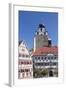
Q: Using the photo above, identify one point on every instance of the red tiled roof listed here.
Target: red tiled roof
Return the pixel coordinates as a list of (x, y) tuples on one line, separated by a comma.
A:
[(46, 50)]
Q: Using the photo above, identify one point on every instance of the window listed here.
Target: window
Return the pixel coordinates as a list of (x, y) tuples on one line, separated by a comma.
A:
[(55, 57), (51, 57), (41, 29), (22, 70), (46, 64), (42, 58), (39, 64), (19, 54), (18, 70), (27, 73), (38, 57), (44, 33), (54, 63), (27, 55), (21, 62), (35, 57), (45, 57), (23, 55), (27, 70)]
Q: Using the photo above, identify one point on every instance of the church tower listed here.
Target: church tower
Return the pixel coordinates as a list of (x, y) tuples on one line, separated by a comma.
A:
[(41, 38)]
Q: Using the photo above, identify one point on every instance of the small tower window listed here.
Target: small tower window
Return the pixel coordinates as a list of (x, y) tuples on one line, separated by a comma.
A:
[(41, 29), (49, 42), (37, 33)]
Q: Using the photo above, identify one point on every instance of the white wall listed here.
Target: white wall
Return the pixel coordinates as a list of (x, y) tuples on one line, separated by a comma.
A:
[(4, 44)]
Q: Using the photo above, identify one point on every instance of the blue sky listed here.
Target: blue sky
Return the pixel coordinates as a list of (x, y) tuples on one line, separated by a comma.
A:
[(28, 25)]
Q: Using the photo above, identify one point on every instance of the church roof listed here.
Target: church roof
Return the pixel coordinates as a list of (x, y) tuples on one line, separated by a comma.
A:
[(46, 50)]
